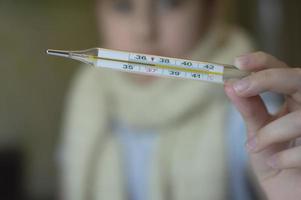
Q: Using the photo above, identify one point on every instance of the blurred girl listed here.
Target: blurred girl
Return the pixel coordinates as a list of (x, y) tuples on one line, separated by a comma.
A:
[(139, 137)]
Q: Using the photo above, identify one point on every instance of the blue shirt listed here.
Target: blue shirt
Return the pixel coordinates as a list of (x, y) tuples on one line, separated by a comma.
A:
[(139, 145), (138, 148)]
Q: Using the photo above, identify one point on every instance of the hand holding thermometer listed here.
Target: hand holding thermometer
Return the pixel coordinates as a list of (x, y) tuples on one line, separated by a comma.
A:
[(153, 65)]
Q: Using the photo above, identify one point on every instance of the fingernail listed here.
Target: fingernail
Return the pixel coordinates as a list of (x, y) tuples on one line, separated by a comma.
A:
[(241, 85), (272, 162), (251, 144), (241, 61)]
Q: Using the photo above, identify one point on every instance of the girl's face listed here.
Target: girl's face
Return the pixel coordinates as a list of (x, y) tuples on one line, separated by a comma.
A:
[(162, 27)]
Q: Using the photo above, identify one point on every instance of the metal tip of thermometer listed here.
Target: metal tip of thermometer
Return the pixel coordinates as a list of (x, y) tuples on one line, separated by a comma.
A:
[(61, 53)]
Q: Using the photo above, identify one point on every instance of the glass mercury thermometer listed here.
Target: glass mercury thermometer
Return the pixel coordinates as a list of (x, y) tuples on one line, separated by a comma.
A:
[(153, 65)]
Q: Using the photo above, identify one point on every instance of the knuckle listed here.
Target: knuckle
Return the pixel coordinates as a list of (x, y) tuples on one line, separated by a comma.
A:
[(289, 158), (262, 57), (249, 113), (263, 76), (264, 138), (282, 159), (268, 76), (282, 64), (261, 54), (297, 72), (298, 118)]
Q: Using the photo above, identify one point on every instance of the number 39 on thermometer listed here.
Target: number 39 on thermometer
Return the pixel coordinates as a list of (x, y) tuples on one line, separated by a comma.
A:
[(153, 64)]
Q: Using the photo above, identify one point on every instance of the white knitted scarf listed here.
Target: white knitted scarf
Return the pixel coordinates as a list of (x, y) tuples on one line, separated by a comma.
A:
[(190, 161)]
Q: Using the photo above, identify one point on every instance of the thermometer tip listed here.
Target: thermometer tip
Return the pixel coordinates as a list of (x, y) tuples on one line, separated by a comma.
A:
[(57, 53)]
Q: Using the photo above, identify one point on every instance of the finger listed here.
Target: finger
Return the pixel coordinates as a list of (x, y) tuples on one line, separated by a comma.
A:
[(252, 109), (284, 81), (284, 129), (290, 158), (258, 61)]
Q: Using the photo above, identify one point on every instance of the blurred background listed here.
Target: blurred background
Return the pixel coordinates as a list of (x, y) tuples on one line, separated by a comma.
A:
[(33, 85)]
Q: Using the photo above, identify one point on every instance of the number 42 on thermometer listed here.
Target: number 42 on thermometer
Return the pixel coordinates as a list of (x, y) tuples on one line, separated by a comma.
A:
[(153, 64)]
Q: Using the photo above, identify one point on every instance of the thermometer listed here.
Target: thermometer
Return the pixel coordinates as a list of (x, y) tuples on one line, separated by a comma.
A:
[(153, 64)]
